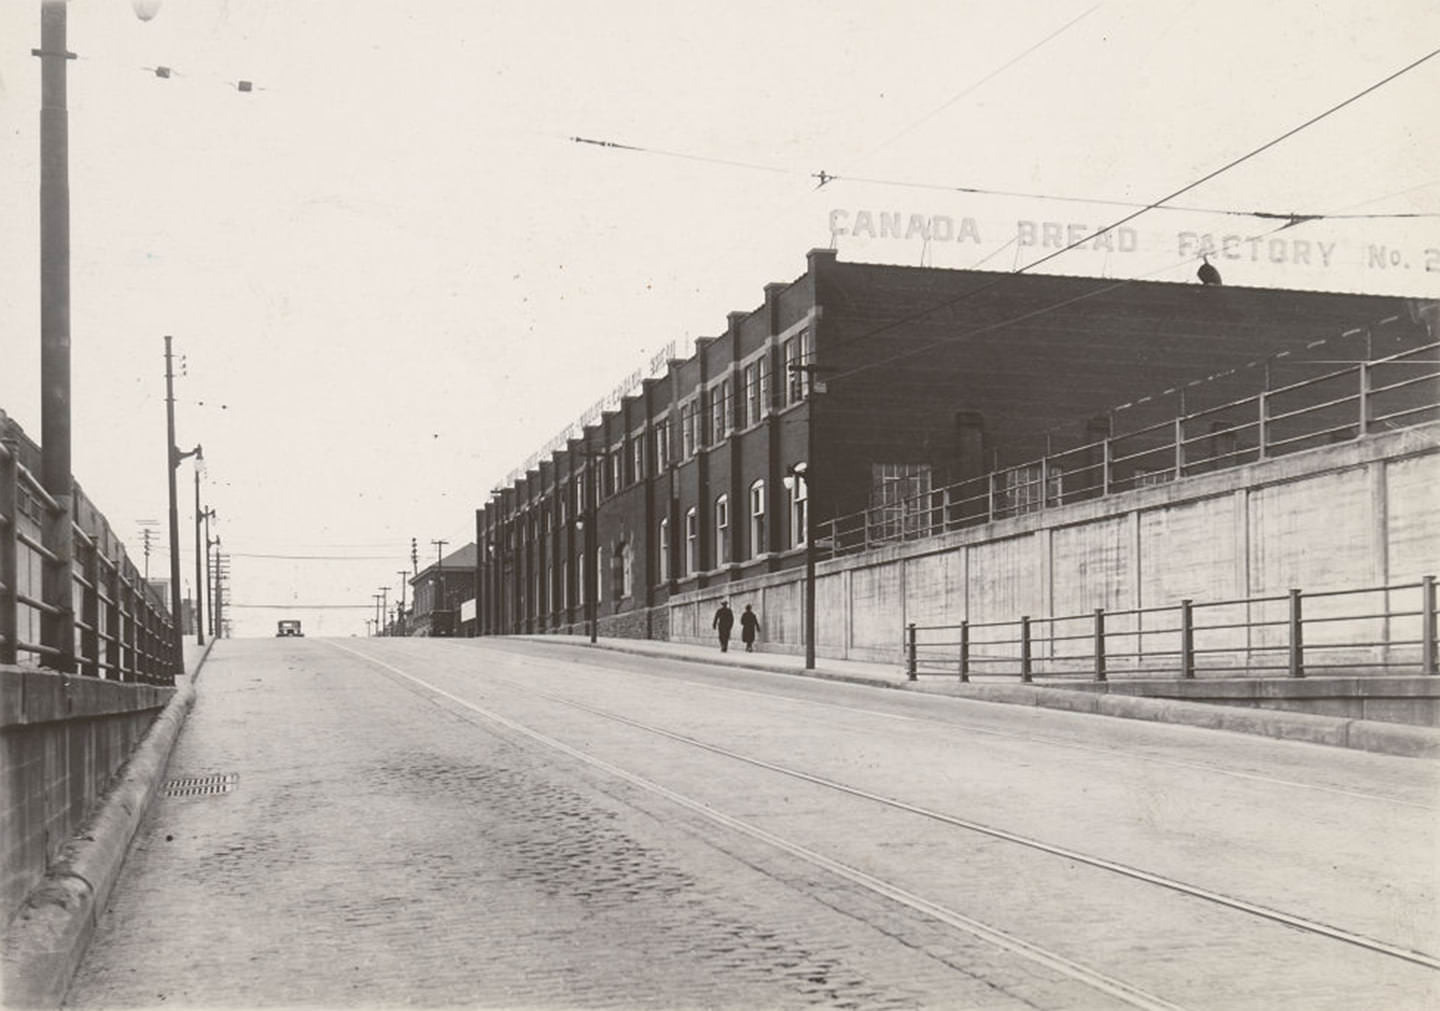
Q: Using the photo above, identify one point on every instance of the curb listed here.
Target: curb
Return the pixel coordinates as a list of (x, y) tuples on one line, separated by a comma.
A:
[(48, 936), (1402, 739)]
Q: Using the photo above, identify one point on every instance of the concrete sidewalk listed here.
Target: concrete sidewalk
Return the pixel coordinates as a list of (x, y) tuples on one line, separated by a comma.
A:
[(46, 940), (1334, 731)]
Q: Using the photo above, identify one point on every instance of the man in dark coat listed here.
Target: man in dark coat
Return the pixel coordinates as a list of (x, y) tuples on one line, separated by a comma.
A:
[(723, 622), (749, 625)]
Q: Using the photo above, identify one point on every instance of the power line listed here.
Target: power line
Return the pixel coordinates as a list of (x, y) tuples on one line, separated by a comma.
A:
[(315, 558), (1108, 228), (1290, 217), (678, 154), (298, 605), (974, 86)]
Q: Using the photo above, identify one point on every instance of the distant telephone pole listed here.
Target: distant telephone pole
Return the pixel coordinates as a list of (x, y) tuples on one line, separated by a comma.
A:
[(400, 615)]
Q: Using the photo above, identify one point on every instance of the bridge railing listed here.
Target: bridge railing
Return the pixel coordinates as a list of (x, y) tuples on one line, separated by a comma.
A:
[(1368, 630), (1383, 394), (122, 631)]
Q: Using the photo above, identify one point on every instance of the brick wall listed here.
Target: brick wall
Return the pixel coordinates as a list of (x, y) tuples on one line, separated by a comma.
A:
[(62, 739)]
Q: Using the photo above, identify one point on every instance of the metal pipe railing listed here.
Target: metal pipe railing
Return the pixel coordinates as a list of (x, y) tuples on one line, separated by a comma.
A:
[(1157, 452), (114, 608), (1194, 647)]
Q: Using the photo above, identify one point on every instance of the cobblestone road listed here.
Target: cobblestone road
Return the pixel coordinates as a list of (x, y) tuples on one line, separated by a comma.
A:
[(383, 845)]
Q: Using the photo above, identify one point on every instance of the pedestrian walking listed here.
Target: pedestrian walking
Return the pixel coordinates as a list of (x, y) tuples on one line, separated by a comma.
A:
[(723, 622), (749, 626)]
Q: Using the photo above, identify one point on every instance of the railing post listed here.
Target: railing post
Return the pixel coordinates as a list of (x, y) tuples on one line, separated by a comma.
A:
[(1044, 481), (990, 498), (1187, 638), (1025, 672), (9, 549), (1107, 458), (910, 659), (1297, 642), (965, 651), (1364, 412), (1179, 447), (1261, 435), (90, 611), (1427, 626), (1099, 644)]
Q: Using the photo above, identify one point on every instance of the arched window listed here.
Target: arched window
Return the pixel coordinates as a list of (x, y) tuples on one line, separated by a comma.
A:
[(757, 519)]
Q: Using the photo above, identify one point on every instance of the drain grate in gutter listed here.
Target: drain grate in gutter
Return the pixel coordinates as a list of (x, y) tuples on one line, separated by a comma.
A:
[(202, 786)]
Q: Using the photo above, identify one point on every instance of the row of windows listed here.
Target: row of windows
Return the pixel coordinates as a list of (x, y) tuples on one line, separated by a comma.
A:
[(708, 418), (757, 544), (705, 420)]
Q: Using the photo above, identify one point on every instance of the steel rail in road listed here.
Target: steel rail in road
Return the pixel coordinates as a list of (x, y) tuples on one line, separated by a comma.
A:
[(1096, 980), (1029, 736), (1077, 971)]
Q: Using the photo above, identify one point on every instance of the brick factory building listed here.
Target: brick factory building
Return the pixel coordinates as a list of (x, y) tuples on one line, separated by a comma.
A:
[(856, 384)]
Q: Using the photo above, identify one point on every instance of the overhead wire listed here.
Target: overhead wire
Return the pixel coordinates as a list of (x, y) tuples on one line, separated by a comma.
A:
[(1234, 162)]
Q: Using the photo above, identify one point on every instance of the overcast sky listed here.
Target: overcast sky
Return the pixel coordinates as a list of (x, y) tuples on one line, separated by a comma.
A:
[(394, 275)]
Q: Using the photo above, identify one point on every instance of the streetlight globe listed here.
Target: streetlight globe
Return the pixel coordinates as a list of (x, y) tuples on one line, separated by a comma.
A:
[(145, 9)]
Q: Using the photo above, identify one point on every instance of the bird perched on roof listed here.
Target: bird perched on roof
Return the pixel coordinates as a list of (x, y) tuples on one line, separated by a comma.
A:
[(1207, 272)]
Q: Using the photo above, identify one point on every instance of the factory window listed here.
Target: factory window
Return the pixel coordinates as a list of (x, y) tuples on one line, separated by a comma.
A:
[(617, 466), (637, 458), (664, 550), (799, 512), (623, 573), (662, 446), (692, 542), (687, 430), (722, 410), (722, 530), (757, 519), (756, 380), (798, 352)]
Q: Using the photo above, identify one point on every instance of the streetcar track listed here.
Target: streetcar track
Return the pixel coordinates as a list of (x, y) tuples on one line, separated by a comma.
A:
[(1093, 978), (1195, 891), (1010, 735)]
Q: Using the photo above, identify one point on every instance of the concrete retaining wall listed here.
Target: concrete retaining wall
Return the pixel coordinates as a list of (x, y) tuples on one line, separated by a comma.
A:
[(1355, 514), (62, 740), (1413, 700)]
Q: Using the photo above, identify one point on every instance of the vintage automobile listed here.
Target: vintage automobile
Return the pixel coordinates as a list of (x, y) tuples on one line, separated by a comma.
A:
[(287, 628)]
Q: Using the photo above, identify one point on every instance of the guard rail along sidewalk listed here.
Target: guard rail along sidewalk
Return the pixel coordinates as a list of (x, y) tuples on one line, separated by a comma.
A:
[(1383, 630), (116, 626)]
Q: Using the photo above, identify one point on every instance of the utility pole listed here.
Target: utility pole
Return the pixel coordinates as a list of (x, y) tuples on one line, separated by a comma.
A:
[(439, 604), (178, 635), (210, 571), (57, 623), (376, 598), (222, 573), (384, 606), (400, 618), (414, 557), (199, 571)]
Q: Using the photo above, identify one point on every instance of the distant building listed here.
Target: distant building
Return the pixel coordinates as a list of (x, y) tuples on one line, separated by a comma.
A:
[(439, 591), (857, 385)]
